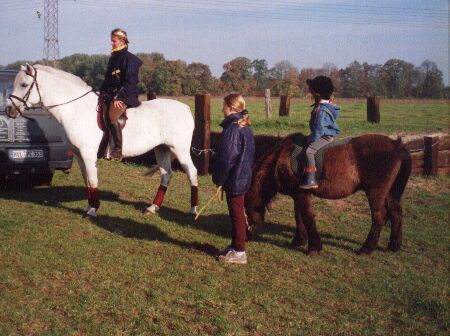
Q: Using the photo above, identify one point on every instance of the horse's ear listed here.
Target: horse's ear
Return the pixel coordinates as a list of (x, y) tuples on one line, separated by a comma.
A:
[(23, 68), (30, 70)]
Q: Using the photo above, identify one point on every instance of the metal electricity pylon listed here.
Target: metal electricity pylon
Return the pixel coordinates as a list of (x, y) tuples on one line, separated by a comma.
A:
[(51, 47)]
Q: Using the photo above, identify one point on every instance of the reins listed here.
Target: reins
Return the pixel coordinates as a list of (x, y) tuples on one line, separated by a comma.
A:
[(24, 99)]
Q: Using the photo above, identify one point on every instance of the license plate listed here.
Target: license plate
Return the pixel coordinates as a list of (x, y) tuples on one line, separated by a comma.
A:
[(18, 154)]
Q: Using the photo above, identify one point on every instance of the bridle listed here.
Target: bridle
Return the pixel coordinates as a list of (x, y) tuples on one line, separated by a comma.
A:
[(24, 99)]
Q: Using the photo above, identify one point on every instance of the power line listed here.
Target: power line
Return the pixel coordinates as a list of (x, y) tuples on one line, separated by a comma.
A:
[(190, 6)]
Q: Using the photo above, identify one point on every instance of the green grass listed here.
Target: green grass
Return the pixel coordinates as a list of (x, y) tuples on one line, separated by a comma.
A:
[(123, 273), (397, 116), (126, 274)]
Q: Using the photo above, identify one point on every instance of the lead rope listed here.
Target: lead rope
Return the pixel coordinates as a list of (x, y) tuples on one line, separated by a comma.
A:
[(216, 195)]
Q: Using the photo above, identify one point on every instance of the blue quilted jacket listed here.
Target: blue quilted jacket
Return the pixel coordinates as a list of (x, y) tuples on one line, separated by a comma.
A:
[(235, 156), (323, 121)]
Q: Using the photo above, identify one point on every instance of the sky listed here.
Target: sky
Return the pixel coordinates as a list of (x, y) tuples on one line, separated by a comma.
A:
[(305, 33)]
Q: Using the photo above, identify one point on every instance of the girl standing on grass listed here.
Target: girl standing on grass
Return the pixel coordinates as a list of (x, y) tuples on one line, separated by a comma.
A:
[(233, 171)]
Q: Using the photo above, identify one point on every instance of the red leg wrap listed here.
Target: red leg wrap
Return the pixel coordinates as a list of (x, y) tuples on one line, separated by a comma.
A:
[(310, 169), (159, 198), (93, 197), (194, 196)]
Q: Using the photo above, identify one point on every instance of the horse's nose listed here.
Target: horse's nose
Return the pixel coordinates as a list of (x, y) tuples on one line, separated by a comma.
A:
[(9, 112)]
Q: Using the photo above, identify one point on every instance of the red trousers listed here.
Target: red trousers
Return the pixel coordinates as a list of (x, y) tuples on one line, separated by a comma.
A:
[(237, 216)]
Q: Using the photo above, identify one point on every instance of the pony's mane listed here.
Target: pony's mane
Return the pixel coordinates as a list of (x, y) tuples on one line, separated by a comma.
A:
[(62, 74)]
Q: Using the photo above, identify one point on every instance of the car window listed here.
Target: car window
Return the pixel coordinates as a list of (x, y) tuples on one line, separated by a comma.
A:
[(6, 87)]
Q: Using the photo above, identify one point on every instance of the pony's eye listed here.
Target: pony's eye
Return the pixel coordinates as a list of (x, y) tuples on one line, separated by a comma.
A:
[(24, 85)]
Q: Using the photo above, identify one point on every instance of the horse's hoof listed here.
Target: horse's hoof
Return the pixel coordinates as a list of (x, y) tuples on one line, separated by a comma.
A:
[(313, 253), (393, 247), (151, 210), (90, 212), (193, 211), (364, 251), (298, 242)]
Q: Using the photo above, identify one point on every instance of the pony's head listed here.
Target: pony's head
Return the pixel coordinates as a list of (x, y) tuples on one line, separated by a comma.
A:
[(254, 211), (25, 92)]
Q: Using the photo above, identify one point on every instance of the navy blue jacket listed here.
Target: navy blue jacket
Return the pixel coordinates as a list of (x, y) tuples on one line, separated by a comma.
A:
[(121, 77), (236, 153), (323, 121)]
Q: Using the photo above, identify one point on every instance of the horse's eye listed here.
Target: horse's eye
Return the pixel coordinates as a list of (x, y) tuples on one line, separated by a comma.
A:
[(24, 85)]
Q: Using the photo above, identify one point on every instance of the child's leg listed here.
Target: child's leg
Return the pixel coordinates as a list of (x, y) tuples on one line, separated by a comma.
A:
[(309, 181), (313, 148), (237, 215)]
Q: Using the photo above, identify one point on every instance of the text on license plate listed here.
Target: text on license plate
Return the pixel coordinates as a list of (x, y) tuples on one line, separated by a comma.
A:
[(26, 154)]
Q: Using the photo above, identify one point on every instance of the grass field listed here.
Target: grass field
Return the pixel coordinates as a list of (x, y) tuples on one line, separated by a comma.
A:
[(397, 116), (123, 273)]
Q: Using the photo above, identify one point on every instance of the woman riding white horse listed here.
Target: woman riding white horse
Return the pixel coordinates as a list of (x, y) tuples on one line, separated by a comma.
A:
[(119, 90), (73, 104)]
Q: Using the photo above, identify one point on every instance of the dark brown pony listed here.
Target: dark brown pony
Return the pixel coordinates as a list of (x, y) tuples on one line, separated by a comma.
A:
[(374, 163)]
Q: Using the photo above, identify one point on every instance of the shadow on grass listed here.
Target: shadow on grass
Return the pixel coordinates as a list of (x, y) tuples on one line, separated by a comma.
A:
[(218, 225), (56, 196)]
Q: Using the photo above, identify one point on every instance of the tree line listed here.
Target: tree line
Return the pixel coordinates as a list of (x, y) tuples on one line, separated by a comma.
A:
[(394, 79)]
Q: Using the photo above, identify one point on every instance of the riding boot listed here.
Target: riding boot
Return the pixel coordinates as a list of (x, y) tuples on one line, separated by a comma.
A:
[(102, 149), (310, 179), (116, 133)]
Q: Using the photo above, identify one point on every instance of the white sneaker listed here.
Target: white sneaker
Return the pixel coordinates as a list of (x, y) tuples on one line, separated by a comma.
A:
[(233, 257), (225, 251)]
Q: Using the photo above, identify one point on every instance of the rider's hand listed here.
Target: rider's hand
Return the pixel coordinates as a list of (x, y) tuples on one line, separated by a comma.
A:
[(119, 104)]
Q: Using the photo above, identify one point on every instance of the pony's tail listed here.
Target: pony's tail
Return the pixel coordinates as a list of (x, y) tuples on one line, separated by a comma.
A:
[(401, 180)]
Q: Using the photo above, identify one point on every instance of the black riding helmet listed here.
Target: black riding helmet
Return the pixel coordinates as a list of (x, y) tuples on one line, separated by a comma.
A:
[(321, 85)]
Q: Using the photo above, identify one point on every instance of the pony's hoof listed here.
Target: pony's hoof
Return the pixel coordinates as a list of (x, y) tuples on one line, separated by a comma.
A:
[(393, 247), (312, 253), (90, 212), (151, 210), (296, 242), (364, 251), (193, 211)]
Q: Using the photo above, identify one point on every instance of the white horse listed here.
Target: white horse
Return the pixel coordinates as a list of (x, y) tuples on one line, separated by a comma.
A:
[(73, 104)]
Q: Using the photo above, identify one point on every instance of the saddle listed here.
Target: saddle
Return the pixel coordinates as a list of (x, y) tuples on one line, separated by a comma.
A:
[(102, 116), (298, 161)]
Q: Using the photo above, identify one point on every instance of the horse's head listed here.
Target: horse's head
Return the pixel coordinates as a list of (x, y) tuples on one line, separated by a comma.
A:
[(25, 92), (255, 213)]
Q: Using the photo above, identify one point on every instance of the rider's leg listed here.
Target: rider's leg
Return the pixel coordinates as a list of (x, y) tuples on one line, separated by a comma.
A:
[(309, 181), (116, 130)]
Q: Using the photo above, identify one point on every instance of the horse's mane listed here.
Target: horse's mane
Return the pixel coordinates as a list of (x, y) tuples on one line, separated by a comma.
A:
[(264, 181), (62, 74)]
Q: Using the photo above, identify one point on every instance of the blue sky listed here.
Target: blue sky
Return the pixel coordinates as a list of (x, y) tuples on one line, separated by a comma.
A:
[(306, 33)]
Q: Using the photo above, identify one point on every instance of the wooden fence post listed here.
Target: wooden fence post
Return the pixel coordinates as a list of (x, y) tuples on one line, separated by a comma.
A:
[(202, 131), (268, 104), (431, 155), (285, 103), (373, 109)]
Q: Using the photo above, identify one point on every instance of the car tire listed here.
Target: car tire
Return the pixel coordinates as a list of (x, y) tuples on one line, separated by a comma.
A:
[(44, 179)]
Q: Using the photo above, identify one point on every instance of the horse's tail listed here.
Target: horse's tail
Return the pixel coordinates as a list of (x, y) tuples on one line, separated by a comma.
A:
[(401, 180)]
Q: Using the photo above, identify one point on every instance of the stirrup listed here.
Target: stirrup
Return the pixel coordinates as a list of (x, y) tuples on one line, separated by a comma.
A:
[(308, 186)]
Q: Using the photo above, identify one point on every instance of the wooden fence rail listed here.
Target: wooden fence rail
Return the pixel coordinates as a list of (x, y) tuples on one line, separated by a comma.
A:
[(430, 154)]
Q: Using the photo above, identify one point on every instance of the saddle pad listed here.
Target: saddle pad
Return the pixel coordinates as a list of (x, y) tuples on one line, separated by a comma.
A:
[(298, 147)]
